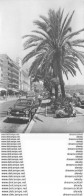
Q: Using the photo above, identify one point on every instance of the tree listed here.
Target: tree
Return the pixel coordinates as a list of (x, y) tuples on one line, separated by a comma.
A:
[(53, 46), (48, 80)]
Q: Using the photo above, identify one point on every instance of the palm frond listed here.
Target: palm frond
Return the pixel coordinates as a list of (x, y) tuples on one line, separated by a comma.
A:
[(72, 35), (26, 45), (41, 25), (65, 72), (74, 65), (70, 69), (24, 36), (41, 33), (64, 23), (80, 46), (29, 56), (33, 38), (44, 18), (78, 41), (75, 33), (67, 24), (70, 58), (61, 15), (35, 65), (80, 57)]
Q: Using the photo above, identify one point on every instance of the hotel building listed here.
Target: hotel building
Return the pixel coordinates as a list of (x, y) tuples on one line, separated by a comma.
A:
[(9, 73)]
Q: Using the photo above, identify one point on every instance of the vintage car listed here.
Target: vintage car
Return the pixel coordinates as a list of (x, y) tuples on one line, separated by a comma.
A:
[(23, 109), (61, 113), (30, 97), (80, 101)]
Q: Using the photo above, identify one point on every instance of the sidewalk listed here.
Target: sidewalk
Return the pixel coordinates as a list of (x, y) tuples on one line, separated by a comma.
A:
[(44, 122), (8, 99)]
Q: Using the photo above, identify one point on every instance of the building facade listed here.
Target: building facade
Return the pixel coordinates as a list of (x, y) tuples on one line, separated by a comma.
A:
[(24, 79), (9, 73), (1, 72)]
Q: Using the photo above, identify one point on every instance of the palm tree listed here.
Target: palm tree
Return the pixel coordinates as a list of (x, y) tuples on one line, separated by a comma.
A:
[(53, 46), (48, 80)]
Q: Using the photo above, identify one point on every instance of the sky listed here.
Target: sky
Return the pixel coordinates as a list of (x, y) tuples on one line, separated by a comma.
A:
[(16, 20)]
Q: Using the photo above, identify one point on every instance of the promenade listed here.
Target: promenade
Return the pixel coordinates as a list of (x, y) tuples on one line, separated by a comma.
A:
[(10, 98), (45, 122)]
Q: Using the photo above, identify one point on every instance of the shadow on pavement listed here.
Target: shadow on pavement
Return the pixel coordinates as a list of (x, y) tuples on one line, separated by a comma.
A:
[(15, 121)]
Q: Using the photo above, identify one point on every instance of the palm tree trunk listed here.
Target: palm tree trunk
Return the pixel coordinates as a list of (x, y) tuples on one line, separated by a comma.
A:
[(56, 85), (62, 89), (50, 92), (62, 84), (61, 81)]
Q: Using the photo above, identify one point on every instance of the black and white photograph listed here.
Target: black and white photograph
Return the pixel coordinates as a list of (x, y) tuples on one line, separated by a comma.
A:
[(42, 91), (41, 66)]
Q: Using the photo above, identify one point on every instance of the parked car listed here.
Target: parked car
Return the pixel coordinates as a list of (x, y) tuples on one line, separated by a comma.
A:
[(23, 109), (80, 101), (30, 97), (66, 111), (61, 113), (34, 100)]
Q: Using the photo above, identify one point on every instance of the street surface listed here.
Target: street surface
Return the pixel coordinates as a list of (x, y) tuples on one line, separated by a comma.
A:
[(12, 126)]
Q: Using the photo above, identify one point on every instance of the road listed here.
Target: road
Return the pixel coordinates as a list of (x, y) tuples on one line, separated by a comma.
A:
[(12, 126)]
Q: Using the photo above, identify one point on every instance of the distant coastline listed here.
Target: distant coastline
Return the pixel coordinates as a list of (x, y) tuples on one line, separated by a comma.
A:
[(79, 88)]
